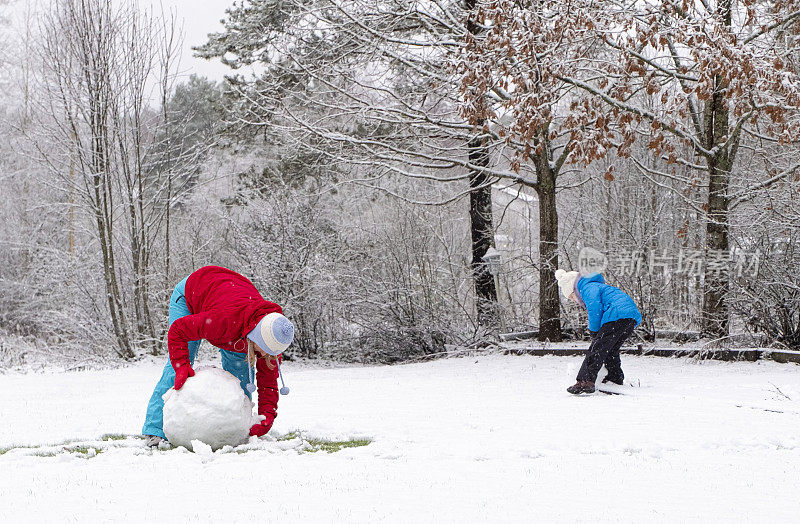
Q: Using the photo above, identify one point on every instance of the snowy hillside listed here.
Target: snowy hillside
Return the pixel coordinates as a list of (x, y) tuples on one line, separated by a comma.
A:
[(489, 438)]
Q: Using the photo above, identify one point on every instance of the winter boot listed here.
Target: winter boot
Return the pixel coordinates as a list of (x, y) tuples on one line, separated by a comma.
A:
[(609, 378), (153, 441), (582, 386)]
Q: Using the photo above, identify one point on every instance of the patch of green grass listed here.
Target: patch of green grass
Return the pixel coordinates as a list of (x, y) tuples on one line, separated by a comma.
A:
[(289, 436), (5, 450), (83, 450), (332, 446), (329, 446), (113, 436), (65, 447), (44, 454)]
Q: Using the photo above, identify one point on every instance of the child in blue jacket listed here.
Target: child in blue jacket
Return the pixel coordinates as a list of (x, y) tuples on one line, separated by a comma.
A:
[(612, 317)]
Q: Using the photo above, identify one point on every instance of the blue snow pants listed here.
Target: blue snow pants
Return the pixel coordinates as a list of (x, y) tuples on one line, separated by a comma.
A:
[(232, 362)]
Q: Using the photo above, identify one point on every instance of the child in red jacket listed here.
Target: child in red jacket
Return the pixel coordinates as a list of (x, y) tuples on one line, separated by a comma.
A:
[(223, 307)]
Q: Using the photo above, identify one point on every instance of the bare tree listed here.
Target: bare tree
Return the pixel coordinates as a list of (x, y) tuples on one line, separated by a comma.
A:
[(102, 67)]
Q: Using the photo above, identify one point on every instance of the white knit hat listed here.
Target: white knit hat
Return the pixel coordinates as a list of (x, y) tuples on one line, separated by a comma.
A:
[(566, 281), (273, 333)]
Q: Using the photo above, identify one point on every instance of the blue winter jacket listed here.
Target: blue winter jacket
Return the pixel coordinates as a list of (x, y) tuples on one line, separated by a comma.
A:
[(605, 303)]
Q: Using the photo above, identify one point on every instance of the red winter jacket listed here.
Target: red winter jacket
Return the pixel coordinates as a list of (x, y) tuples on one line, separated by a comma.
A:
[(225, 307)]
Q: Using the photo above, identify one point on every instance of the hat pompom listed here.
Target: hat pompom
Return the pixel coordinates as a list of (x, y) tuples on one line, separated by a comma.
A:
[(559, 273)]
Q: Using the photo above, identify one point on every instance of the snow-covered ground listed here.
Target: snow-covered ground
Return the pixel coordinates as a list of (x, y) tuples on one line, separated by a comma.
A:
[(487, 438)]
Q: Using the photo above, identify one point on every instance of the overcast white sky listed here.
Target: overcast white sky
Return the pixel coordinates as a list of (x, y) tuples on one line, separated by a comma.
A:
[(199, 18)]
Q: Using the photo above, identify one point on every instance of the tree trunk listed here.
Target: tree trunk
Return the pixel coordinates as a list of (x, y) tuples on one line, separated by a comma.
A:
[(480, 216), (109, 274), (549, 304), (482, 229), (103, 208), (167, 200), (714, 317)]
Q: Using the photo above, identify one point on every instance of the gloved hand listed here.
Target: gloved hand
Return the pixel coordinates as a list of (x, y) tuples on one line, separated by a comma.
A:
[(263, 427), (182, 373)]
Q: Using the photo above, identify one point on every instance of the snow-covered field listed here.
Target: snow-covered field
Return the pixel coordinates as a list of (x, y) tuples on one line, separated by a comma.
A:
[(487, 438)]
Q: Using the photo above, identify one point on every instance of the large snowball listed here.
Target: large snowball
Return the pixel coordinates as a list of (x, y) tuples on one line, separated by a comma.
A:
[(210, 407)]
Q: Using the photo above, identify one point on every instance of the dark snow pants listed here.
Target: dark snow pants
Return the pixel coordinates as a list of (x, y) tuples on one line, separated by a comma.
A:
[(605, 350)]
